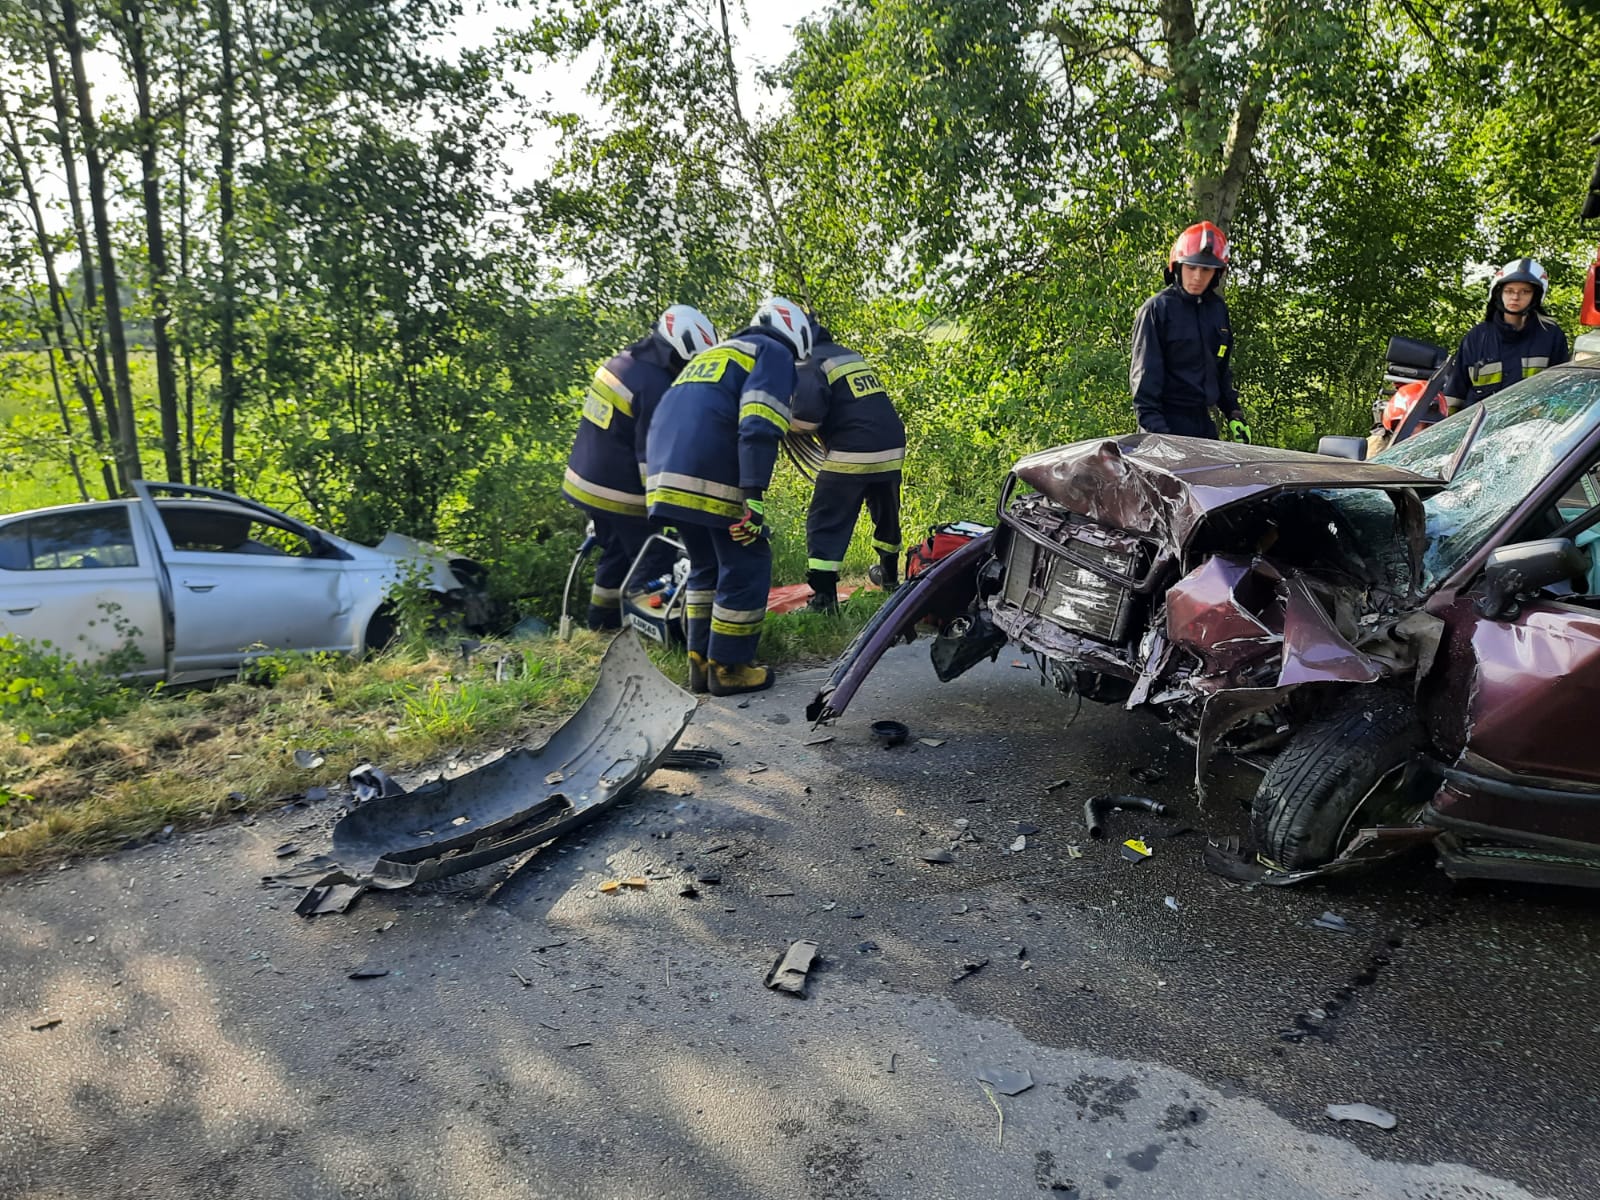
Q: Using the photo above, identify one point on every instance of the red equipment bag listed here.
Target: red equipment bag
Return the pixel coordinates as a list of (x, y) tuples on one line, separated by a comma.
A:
[(941, 541)]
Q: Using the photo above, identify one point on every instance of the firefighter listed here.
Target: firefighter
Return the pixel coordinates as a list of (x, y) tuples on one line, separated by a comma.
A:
[(840, 398), (1183, 347), (710, 455), (1513, 341), (605, 472)]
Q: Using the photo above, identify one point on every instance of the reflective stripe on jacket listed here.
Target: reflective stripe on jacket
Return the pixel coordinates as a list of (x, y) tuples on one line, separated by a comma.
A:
[(840, 397), (603, 472), (717, 430)]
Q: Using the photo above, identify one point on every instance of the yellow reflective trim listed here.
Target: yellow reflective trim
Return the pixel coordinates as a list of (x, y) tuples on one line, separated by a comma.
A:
[(581, 491), (837, 368), (683, 499), (1222, 350), (1485, 373), (697, 612), (887, 547), (729, 629), (693, 483), (605, 597), (738, 614), (823, 564), (859, 468), (765, 412)]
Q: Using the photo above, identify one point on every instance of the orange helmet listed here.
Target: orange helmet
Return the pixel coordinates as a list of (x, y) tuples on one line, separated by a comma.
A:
[(1405, 396)]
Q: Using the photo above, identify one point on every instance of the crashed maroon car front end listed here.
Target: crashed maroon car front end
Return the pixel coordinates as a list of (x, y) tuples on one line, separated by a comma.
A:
[(1371, 635)]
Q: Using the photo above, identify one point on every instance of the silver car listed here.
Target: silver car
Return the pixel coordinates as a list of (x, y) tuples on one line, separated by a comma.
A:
[(192, 582)]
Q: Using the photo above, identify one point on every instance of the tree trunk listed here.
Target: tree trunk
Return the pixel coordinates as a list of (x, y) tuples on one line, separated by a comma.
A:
[(91, 289), (185, 347), (227, 380), (128, 439), (58, 323), (155, 238)]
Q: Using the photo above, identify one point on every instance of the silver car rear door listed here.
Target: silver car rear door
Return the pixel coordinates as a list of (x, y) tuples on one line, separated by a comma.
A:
[(84, 578)]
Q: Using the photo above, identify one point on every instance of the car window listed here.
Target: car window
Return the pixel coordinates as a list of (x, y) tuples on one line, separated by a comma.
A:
[(82, 540), (1528, 431), (209, 528)]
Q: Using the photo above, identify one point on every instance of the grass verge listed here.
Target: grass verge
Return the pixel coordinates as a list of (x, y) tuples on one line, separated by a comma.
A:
[(188, 759)]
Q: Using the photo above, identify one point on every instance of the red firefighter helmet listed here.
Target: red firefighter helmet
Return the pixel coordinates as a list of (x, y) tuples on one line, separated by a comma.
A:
[(1200, 245), (1401, 403)]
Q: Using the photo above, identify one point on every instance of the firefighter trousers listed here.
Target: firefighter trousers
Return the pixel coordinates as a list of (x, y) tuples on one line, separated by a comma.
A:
[(725, 598), (621, 538), (835, 505)]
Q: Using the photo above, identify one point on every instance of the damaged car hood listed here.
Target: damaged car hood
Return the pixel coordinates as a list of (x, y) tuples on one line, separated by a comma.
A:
[(1167, 486)]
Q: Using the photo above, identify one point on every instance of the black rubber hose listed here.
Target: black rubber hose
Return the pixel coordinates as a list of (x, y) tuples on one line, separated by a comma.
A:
[(1096, 807)]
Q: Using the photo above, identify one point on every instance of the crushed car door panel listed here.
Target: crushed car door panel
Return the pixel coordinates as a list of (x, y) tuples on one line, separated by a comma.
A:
[(85, 580), (1530, 722)]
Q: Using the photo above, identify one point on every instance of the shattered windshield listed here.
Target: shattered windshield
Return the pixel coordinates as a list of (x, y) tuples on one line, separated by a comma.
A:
[(1528, 430)]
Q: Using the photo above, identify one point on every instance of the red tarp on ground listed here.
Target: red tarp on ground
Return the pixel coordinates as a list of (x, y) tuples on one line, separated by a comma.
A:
[(794, 596)]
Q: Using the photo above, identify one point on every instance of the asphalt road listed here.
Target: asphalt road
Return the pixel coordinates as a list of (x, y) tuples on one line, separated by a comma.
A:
[(536, 1037)]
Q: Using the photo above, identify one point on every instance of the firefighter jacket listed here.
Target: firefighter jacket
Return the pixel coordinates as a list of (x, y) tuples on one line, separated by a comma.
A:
[(1493, 356), (1182, 347), (604, 471), (840, 398), (716, 434)]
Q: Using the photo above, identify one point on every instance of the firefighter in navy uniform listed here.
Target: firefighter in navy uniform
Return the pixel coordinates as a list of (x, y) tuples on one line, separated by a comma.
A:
[(1513, 341), (1183, 346), (605, 475), (710, 454), (840, 398)]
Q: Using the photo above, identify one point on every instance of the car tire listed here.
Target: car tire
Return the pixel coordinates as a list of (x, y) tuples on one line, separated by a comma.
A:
[(382, 629), (1303, 810)]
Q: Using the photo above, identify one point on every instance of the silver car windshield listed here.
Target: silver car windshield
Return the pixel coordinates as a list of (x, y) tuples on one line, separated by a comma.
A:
[(1527, 432)]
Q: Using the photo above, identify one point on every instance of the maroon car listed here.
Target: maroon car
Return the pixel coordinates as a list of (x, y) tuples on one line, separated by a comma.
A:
[(1407, 647)]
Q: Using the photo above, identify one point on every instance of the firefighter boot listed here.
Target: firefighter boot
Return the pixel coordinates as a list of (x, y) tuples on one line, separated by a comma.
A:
[(738, 678), (824, 591), (888, 572), (697, 673)]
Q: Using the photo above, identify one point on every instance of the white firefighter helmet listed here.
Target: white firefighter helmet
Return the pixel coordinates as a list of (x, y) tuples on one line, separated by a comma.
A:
[(687, 330), (789, 321)]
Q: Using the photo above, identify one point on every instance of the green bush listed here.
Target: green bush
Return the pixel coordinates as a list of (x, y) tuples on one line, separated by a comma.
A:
[(42, 691)]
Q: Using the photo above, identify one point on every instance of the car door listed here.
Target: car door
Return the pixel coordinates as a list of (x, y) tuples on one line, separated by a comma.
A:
[(85, 579), (244, 582), (1531, 757)]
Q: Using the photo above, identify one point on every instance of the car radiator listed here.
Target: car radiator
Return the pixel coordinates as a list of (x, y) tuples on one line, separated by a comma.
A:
[(1043, 582)]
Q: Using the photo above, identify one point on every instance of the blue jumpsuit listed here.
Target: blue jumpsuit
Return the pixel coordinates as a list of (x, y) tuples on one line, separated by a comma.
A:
[(605, 475), (1181, 366), (713, 443), (840, 397), (1494, 355)]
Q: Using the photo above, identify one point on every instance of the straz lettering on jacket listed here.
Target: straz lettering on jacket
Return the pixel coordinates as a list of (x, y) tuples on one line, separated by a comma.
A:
[(607, 394), (709, 366), (861, 379)]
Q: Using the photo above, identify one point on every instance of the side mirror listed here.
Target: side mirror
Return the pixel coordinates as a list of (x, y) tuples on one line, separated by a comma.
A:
[(1520, 570), (1353, 448)]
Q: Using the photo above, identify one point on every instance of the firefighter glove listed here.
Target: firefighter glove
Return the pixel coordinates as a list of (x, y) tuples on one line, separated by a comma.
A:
[(1239, 431), (752, 524)]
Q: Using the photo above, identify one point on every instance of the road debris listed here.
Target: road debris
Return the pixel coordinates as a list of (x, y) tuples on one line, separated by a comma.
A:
[(1057, 785), (1025, 827), (709, 877), (1095, 809), (286, 850), (1367, 1114), (576, 1045), (308, 760), (938, 856), (790, 972), (892, 1057), (688, 890), (521, 978), (890, 733), (1135, 851), (775, 895), (1006, 1081), (369, 973), (934, 742), (691, 758), (1143, 774), (1172, 903), (610, 885), (819, 741), (329, 898), (373, 783), (1074, 852), (1000, 1138), (969, 968), (637, 882), (757, 768), (1333, 921), (46, 1023), (1019, 845)]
